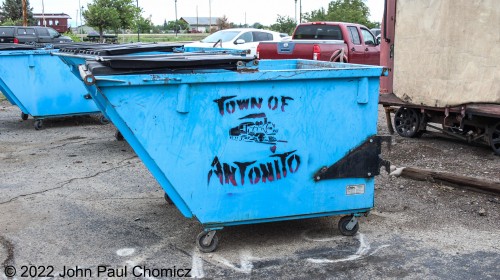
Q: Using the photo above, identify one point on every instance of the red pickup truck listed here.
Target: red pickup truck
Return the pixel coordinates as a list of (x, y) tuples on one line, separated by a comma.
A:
[(327, 41)]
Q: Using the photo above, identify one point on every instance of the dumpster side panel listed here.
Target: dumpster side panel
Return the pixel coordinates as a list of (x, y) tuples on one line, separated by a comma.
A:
[(43, 85), (247, 151)]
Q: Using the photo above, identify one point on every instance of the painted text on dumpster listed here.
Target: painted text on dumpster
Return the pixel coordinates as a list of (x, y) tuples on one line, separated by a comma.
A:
[(229, 105), (239, 173)]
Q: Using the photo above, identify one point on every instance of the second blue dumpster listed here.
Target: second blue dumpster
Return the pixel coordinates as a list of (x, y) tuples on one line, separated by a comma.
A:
[(234, 140)]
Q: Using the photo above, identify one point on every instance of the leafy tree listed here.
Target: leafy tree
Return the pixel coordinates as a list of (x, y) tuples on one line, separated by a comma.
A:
[(12, 12), (181, 25), (222, 23), (111, 14), (144, 25), (354, 11), (284, 25), (258, 25)]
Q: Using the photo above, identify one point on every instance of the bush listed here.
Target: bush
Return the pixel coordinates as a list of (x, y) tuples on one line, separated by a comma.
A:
[(73, 36)]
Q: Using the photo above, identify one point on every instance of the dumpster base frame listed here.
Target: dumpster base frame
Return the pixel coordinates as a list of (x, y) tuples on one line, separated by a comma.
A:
[(219, 226)]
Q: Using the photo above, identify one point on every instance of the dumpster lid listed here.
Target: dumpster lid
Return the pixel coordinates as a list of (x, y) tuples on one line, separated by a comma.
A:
[(119, 49), (166, 63), (9, 47)]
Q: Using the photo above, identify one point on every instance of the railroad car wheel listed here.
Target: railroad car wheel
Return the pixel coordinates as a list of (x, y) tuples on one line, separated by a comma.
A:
[(344, 221), (24, 116), (494, 136), (204, 245), (407, 122)]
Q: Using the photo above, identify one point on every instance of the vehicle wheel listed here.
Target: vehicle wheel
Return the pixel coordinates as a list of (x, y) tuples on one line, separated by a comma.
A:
[(343, 226), (119, 136), (407, 122), (103, 120), (168, 200), (38, 124), (201, 242), (494, 137), (24, 116)]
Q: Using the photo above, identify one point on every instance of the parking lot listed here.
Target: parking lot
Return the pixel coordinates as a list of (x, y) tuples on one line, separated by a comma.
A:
[(76, 201)]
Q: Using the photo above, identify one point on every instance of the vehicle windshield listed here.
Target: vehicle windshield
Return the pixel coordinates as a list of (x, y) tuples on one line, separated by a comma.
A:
[(224, 36)]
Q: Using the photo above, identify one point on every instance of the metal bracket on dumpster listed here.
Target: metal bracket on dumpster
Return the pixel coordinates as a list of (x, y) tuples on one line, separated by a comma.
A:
[(250, 66), (362, 162), (86, 75)]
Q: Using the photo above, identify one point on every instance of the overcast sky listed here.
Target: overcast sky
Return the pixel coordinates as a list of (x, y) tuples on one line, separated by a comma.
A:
[(262, 11)]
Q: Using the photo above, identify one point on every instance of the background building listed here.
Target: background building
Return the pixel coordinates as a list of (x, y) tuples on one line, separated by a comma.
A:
[(57, 21)]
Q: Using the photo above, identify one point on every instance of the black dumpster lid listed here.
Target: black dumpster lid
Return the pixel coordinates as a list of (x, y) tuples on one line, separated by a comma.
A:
[(165, 63), (8, 47), (119, 49)]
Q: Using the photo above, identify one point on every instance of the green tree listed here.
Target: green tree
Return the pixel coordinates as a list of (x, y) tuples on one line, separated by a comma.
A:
[(258, 25), (144, 25), (12, 12), (180, 25), (284, 25), (354, 11), (111, 14)]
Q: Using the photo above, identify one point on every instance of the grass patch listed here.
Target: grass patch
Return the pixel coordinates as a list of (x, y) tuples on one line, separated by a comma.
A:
[(2, 98)]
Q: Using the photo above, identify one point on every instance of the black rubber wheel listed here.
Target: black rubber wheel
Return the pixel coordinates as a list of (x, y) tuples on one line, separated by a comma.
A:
[(119, 136), (343, 226), (494, 137), (103, 120), (168, 200), (38, 124), (204, 248), (407, 122), (24, 116)]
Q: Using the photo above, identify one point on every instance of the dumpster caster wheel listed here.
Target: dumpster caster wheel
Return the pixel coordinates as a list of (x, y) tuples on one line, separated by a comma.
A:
[(38, 124), (207, 241), (103, 120), (348, 225), (24, 116), (119, 136), (168, 200)]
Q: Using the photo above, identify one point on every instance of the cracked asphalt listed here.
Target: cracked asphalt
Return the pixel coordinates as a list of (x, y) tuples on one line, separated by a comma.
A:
[(72, 197)]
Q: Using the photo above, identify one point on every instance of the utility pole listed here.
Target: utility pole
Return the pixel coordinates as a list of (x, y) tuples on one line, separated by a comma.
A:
[(43, 14), (25, 14), (81, 19), (78, 14), (176, 23), (295, 14), (300, 11), (210, 16), (138, 26)]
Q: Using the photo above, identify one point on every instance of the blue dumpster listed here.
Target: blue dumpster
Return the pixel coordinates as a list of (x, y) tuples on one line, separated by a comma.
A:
[(76, 55), (41, 85), (235, 141)]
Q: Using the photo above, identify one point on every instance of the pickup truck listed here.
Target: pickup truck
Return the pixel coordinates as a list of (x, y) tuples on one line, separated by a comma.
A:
[(327, 41)]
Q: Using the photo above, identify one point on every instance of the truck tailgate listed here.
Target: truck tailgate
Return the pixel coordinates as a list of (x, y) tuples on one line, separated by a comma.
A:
[(302, 49)]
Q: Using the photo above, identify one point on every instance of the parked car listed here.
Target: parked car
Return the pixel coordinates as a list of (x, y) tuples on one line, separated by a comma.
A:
[(31, 34), (327, 41), (375, 31), (237, 38)]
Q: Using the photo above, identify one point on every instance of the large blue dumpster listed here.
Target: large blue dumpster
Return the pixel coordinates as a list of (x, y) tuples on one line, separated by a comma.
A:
[(41, 85), (234, 140)]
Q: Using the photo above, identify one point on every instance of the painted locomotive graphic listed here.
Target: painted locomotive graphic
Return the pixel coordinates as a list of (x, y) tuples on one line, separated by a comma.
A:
[(259, 131)]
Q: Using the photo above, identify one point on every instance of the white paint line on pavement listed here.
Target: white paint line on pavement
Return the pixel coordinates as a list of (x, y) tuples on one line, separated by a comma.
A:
[(197, 265)]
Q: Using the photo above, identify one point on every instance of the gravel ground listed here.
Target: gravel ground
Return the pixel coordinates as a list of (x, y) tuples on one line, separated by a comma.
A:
[(72, 196)]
